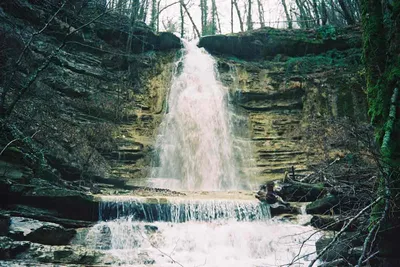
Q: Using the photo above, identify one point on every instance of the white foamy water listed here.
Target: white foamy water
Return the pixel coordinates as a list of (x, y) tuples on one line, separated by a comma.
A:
[(209, 244), (178, 210), (172, 231), (195, 144)]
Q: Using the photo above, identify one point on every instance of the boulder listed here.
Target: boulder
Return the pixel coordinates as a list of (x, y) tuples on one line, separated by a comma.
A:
[(301, 192), (9, 249), (354, 254), (337, 251), (325, 222), (323, 205), (331, 223), (283, 210), (39, 232)]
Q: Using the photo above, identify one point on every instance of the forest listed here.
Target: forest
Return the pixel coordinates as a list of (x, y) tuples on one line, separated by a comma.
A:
[(199, 133)]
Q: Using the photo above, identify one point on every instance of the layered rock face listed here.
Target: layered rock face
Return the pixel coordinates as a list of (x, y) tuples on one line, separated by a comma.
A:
[(291, 83), (95, 111)]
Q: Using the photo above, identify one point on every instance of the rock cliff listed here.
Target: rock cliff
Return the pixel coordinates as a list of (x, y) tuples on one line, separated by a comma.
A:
[(288, 82)]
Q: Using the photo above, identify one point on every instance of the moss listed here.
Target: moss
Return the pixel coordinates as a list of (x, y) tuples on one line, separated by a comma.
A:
[(307, 64)]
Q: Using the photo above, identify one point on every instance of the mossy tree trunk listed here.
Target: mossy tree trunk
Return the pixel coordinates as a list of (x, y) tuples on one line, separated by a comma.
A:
[(381, 50)]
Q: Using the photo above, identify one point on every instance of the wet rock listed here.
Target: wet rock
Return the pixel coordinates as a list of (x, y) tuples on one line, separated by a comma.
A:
[(9, 249), (98, 237), (44, 215), (39, 232), (283, 210), (335, 263), (286, 218), (71, 204), (151, 228), (301, 192), (145, 258), (4, 224), (323, 205), (354, 254), (63, 254), (337, 251), (329, 223)]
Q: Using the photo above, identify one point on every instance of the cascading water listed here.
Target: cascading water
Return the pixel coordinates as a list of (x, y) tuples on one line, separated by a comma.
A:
[(195, 144), (199, 148), (174, 231)]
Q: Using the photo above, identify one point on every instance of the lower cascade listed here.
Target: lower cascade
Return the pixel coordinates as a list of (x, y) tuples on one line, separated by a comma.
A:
[(172, 231)]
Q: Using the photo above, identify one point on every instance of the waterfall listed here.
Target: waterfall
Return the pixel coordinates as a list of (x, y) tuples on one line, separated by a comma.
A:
[(188, 232), (195, 143), (202, 145), (182, 210)]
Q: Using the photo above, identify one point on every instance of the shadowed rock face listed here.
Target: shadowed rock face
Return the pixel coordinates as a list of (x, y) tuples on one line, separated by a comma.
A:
[(265, 43), (40, 232)]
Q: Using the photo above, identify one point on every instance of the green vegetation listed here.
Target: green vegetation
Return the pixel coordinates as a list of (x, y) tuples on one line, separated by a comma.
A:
[(310, 63)]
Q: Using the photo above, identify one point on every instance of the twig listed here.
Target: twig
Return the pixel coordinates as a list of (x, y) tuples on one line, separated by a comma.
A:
[(342, 231), (162, 252), (16, 139), (7, 87), (12, 141), (47, 62), (373, 230)]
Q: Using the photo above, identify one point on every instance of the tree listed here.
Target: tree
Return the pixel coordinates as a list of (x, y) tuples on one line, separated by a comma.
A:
[(239, 15), (249, 17), (381, 54), (182, 20), (261, 13), (204, 16), (287, 14), (214, 15), (196, 30), (154, 15)]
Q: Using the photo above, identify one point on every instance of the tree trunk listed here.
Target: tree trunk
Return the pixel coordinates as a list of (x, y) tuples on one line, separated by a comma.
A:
[(239, 16), (249, 17), (303, 18), (316, 12), (288, 17), (231, 16), (191, 19), (381, 56), (324, 13), (261, 13), (346, 13), (213, 17), (134, 13), (182, 21), (204, 15), (154, 14)]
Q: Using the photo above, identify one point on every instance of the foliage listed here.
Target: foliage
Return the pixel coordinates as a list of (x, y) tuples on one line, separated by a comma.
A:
[(333, 57), (327, 32)]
